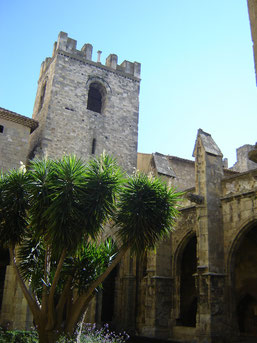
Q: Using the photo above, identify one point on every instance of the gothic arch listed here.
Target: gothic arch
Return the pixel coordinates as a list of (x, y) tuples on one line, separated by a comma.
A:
[(242, 283), (186, 249)]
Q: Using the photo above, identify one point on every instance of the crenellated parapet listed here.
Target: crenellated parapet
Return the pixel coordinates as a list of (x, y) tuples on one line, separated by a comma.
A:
[(68, 46)]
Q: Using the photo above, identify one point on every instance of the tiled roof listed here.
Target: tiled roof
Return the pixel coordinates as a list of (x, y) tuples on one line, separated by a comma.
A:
[(18, 118), (162, 165)]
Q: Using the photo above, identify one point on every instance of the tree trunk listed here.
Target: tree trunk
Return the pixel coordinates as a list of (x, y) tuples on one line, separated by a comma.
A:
[(48, 336), (79, 306)]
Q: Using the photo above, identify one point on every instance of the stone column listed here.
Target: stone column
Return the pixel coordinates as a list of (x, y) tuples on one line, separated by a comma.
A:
[(125, 297), (158, 293), (210, 278), (15, 313)]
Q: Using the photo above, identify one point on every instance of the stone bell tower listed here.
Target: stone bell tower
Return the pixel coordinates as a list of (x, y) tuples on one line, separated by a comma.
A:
[(84, 107)]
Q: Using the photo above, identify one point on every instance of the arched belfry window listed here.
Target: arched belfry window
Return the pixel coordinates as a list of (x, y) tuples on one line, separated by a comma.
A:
[(96, 97)]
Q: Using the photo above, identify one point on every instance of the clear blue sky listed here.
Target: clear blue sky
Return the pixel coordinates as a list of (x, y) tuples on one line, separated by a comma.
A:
[(196, 56)]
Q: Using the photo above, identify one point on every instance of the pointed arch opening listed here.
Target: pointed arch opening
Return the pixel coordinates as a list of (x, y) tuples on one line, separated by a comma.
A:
[(186, 292), (244, 281), (108, 297)]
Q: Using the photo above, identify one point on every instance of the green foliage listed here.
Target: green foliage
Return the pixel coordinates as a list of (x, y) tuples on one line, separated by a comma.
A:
[(56, 210), (13, 207), (18, 336), (89, 334), (104, 181), (146, 212), (31, 255), (84, 266), (70, 200), (90, 262)]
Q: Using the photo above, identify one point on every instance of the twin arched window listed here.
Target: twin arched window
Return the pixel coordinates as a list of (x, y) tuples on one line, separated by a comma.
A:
[(96, 97)]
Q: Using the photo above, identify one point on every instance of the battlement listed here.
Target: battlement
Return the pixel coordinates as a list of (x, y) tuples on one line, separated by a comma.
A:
[(67, 44)]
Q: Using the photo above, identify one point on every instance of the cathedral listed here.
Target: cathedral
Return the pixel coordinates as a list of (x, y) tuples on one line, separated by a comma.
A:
[(200, 284)]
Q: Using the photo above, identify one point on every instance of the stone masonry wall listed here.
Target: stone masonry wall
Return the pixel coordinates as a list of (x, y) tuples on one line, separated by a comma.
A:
[(239, 211), (243, 163), (185, 173), (14, 144), (252, 8), (239, 206)]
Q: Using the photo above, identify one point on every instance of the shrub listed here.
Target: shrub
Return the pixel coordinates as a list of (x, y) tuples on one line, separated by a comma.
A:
[(89, 334), (18, 336)]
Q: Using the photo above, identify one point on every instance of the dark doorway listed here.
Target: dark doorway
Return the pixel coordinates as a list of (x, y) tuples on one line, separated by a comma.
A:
[(108, 297), (4, 261), (245, 283), (188, 294)]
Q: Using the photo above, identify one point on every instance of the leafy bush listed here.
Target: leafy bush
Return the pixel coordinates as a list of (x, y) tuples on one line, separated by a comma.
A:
[(90, 334), (18, 336)]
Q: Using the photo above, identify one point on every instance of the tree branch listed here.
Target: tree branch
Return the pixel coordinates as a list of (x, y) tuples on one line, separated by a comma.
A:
[(51, 310), (29, 297), (46, 279), (63, 300), (79, 305)]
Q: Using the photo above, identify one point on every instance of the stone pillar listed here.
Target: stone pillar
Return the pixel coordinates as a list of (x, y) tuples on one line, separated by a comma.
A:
[(15, 312), (158, 293), (125, 296), (210, 278), (129, 295), (8, 298)]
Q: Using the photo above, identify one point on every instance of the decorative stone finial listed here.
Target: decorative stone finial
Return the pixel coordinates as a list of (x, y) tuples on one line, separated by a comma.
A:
[(99, 56)]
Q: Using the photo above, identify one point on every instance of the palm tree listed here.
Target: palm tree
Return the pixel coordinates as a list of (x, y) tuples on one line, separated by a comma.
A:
[(55, 212)]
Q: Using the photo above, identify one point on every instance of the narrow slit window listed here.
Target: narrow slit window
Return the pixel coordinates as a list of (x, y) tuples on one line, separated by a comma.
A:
[(93, 146), (1, 129), (42, 97)]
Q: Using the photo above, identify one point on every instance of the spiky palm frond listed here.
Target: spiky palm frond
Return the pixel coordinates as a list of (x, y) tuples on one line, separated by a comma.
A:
[(82, 198), (31, 255), (146, 212), (104, 180), (40, 173), (70, 200), (91, 261), (84, 267), (64, 214), (13, 207)]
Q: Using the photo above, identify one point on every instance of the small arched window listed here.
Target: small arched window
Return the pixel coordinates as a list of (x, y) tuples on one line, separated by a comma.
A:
[(1, 129), (96, 97)]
